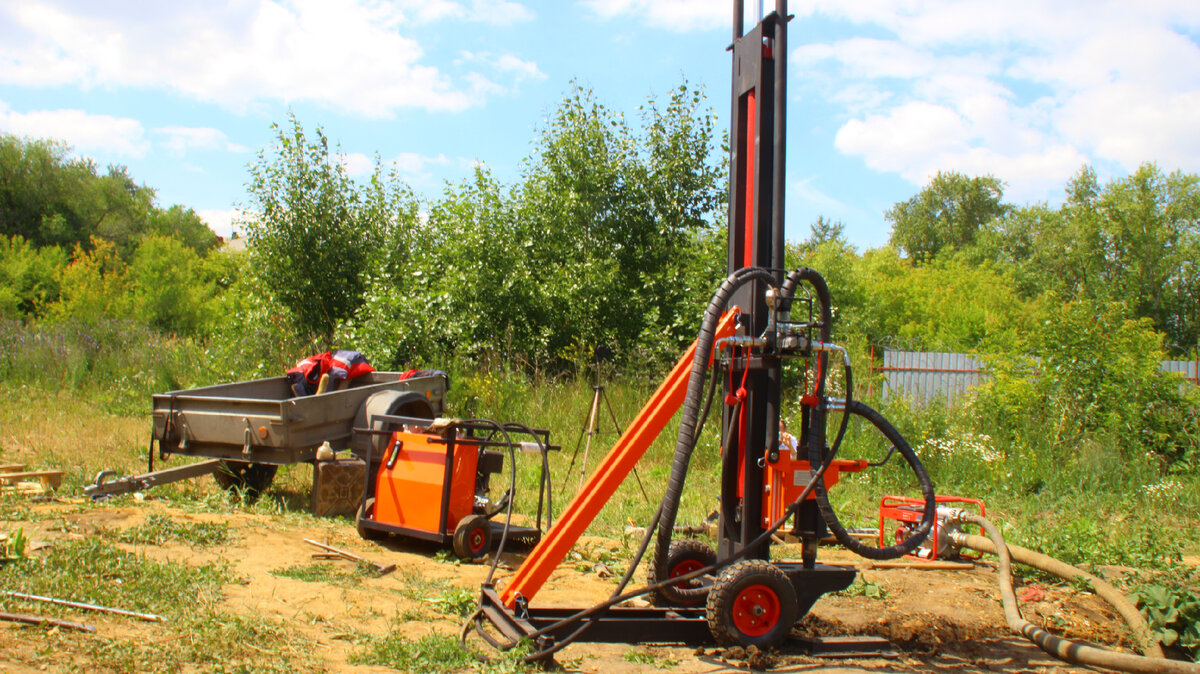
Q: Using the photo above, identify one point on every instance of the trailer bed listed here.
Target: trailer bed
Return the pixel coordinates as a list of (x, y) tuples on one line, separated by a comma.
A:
[(260, 420)]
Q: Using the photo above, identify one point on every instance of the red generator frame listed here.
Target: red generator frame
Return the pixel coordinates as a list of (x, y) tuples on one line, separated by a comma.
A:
[(907, 510)]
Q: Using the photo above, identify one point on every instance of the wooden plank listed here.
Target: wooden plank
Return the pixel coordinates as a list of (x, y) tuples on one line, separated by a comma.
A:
[(11, 467), (51, 478)]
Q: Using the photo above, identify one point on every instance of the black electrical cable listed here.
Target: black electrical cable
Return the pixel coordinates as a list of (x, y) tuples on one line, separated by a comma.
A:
[(512, 490)]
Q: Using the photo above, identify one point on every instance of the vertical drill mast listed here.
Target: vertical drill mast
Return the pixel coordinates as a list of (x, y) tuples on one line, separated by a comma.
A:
[(756, 239)]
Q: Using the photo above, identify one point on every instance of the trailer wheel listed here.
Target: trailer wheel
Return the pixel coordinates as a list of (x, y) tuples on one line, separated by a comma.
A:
[(251, 479), (684, 556), (365, 509), (472, 537), (752, 604)]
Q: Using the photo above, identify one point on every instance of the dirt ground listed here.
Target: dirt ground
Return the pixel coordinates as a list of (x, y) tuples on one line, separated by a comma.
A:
[(935, 620)]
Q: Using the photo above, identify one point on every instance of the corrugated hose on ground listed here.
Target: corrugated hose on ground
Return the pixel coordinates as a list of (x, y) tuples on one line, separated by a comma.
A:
[(1065, 649)]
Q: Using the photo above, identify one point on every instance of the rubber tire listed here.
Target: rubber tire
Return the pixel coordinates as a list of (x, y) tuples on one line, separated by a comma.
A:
[(367, 506), (472, 538), (251, 479), (739, 586), (685, 553)]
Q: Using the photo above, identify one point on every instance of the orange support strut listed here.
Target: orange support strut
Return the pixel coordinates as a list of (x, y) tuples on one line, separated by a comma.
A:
[(612, 471)]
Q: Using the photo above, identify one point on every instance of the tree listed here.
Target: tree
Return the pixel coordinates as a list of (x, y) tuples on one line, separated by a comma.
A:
[(52, 199), (949, 213), (29, 277), (825, 231), (169, 291), (313, 235)]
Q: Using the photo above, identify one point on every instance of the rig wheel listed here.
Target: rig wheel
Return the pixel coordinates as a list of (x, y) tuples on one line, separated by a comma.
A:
[(752, 604), (251, 479), (366, 508), (472, 537), (684, 556)]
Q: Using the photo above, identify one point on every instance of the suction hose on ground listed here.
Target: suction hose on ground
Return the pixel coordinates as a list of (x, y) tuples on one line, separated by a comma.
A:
[(1065, 649)]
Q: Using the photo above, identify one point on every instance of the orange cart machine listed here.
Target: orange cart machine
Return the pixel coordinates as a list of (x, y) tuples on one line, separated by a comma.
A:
[(432, 482)]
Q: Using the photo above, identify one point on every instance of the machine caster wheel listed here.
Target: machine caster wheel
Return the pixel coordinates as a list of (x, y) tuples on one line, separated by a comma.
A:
[(472, 537), (752, 604), (684, 556), (365, 508), (252, 479)]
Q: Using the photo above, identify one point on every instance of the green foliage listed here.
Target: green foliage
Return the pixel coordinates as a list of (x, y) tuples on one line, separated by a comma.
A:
[(430, 653), (318, 572), (456, 601), (314, 234), (29, 277), (53, 199), (12, 546), (1174, 616), (609, 238), (118, 363), (94, 285), (948, 214), (648, 656), (167, 286), (1093, 369), (861, 587)]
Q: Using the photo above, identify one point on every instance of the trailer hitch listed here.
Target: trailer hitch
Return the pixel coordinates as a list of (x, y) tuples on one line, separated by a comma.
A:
[(108, 484)]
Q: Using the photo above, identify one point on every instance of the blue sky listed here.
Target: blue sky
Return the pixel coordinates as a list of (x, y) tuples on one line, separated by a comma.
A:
[(882, 94)]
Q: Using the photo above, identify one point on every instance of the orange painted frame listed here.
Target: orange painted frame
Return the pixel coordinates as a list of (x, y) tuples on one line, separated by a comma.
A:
[(609, 475), (411, 492), (781, 487)]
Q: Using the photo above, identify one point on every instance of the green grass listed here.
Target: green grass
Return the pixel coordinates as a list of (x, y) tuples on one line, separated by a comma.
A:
[(650, 658), (160, 529), (434, 654), (326, 572), (203, 634), (439, 594), (95, 572)]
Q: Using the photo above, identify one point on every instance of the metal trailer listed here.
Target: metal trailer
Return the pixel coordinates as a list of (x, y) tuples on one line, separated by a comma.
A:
[(250, 428)]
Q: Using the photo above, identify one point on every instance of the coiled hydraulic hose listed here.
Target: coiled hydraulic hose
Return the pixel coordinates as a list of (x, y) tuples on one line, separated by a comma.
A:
[(686, 441), (816, 434), (1064, 649)]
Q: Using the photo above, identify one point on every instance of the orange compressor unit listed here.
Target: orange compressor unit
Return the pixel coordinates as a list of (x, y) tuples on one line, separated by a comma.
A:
[(435, 486)]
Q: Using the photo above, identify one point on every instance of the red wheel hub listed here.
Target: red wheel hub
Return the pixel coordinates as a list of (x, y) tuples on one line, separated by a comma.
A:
[(477, 540), (756, 610), (683, 568)]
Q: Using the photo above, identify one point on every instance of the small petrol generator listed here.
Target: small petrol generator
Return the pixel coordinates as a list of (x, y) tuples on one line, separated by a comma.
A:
[(432, 481)]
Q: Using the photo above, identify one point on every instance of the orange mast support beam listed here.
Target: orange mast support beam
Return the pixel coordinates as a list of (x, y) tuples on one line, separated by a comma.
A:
[(611, 472)]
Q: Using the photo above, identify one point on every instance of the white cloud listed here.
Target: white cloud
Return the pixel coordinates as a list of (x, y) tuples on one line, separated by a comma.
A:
[(357, 163), (495, 12), (177, 140), (515, 69), (674, 15), (85, 132), (223, 222), (349, 54), (808, 193), (1025, 90)]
